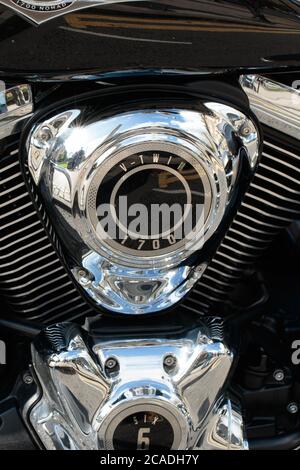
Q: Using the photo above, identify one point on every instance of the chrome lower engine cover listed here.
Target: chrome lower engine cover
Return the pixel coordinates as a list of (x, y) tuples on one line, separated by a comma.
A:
[(148, 393), (102, 176)]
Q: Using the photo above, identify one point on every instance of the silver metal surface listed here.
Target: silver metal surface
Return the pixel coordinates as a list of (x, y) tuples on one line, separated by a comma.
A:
[(16, 104), (224, 429), (83, 402), (68, 154), (275, 104)]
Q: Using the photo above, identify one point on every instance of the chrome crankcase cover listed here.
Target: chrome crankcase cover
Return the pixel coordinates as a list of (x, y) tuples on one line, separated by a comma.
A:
[(161, 392), (135, 192)]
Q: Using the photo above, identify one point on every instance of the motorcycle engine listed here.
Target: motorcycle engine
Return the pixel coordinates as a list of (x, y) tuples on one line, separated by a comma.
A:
[(143, 210)]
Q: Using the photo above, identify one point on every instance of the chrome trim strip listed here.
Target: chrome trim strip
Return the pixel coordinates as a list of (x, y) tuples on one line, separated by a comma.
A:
[(217, 281), (20, 185), (14, 222), (238, 232), (38, 297), (13, 200), (282, 150), (7, 214), (275, 206), (247, 245), (8, 167), (21, 249), (209, 297), (235, 260), (16, 104), (259, 222), (32, 280), (238, 251), (214, 289), (48, 302), (9, 178), (17, 260), (45, 313), (265, 190), (30, 235), (281, 162), (31, 263), (39, 287), (229, 276), (275, 104), (26, 274), (269, 180), (283, 175), (23, 229), (266, 214), (227, 266)]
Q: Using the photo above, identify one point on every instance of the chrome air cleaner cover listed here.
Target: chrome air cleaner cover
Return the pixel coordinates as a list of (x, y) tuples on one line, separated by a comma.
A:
[(133, 193)]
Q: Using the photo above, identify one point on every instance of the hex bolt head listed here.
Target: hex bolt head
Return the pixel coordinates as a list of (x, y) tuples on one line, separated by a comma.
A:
[(27, 378), (111, 363), (292, 408), (278, 375), (170, 361)]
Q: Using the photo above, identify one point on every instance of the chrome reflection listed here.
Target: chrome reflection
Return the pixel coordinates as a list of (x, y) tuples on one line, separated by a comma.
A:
[(224, 429), (69, 154), (16, 103), (92, 385), (275, 104)]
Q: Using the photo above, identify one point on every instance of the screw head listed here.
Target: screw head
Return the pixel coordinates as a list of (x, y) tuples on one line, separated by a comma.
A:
[(245, 130), (27, 378), (111, 363), (170, 361), (278, 375), (84, 277), (45, 134), (292, 408)]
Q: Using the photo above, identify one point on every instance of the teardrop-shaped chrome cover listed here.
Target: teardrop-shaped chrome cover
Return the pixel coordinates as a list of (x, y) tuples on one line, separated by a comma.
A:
[(98, 172)]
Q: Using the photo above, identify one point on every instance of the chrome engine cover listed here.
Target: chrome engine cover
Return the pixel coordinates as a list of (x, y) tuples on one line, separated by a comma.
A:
[(136, 393), (82, 158)]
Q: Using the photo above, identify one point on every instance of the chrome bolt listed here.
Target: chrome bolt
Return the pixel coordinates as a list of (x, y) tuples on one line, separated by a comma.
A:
[(278, 375), (27, 378), (111, 363), (45, 134), (292, 408), (84, 277), (170, 361), (245, 131), (82, 273)]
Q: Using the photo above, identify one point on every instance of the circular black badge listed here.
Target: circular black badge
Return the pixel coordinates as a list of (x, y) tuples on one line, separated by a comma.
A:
[(148, 203), (143, 431)]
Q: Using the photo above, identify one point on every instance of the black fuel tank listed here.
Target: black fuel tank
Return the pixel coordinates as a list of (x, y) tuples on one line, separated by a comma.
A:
[(169, 35)]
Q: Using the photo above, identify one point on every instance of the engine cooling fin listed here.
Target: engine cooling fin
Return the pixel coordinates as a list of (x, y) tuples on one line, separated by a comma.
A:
[(271, 203), (33, 280)]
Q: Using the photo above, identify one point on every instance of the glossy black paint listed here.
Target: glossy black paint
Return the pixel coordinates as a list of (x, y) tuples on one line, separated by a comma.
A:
[(166, 36)]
